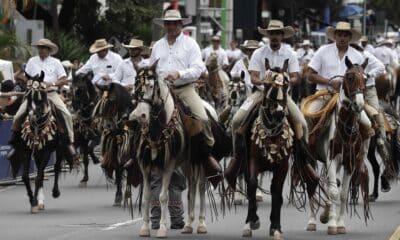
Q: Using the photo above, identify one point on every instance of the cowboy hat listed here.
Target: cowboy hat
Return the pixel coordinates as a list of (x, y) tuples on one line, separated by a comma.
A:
[(343, 26), (250, 45), (306, 42), (215, 38), (135, 43), (99, 44), (364, 39), (387, 41), (67, 64), (172, 16), (276, 25), (44, 42)]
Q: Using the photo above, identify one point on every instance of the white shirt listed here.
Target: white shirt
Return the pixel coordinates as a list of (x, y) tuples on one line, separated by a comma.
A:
[(369, 48), (373, 69), (386, 55), (327, 64), (101, 66), (183, 56), (234, 55), (126, 72), (52, 68), (304, 57), (237, 70), (6, 68), (222, 56)]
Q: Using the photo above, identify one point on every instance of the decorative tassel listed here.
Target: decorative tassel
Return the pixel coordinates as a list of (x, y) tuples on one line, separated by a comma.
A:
[(280, 94)]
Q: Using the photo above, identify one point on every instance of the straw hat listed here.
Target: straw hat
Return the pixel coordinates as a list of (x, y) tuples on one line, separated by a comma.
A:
[(306, 42), (172, 16), (364, 39), (250, 45), (100, 44), (44, 42), (276, 25), (67, 64), (387, 41), (135, 43), (343, 26), (216, 38)]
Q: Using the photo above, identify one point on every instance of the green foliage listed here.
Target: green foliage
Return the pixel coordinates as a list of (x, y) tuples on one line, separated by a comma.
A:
[(391, 8), (70, 47), (11, 49), (86, 21)]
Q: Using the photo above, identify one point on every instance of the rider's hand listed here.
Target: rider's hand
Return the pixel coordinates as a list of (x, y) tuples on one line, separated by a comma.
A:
[(62, 82), (172, 76), (106, 77), (335, 84)]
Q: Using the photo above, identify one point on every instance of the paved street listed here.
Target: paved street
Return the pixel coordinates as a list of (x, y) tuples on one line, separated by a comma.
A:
[(88, 214)]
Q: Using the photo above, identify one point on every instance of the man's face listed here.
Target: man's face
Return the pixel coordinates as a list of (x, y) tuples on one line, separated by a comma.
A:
[(135, 52), (233, 44), (364, 43), (249, 52), (275, 38), (102, 54), (173, 28), (342, 38), (215, 44), (44, 52)]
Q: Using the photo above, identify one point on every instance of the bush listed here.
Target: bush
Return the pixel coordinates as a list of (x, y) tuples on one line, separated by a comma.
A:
[(69, 47), (11, 49)]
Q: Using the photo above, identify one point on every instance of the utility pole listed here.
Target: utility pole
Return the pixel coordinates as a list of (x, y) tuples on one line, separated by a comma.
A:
[(365, 18), (198, 20)]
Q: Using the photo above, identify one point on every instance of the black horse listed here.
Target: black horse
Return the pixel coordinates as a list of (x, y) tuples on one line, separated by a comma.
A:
[(86, 130), (113, 109), (40, 132)]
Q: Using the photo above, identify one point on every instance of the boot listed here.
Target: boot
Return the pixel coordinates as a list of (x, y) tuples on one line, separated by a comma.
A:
[(235, 165), (212, 168)]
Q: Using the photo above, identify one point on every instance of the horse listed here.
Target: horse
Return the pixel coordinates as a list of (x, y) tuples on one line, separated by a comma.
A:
[(113, 110), (43, 131), (304, 88), (86, 130), (217, 82), (163, 145), (343, 144)]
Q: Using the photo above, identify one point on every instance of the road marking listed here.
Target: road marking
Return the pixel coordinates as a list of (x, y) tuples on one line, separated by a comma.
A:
[(7, 188), (396, 234), (116, 225)]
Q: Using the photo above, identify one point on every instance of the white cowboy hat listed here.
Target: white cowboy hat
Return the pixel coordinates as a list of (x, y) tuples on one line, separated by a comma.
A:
[(171, 15), (306, 42), (67, 64), (276, 25), (44, 42), (135, 43), (387, 41), (250, 44), (99, 44), (343, 26), (364, 39), (216, 38)]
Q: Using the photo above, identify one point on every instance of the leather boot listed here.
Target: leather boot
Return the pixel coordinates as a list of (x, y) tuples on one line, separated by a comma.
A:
[(235, 165)]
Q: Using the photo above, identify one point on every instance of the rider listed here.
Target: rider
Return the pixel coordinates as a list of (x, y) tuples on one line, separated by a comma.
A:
[(305, 53), (223, 61), (126, 71), (179, 62), (102, 63), (54, 77), (276, 53), (234, 54)]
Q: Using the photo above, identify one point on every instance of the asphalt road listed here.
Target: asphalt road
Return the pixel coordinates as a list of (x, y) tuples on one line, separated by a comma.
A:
[(88, 214)]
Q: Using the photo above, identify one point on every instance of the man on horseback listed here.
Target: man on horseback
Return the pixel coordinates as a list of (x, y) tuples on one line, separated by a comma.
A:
[(126, 71), (179, 62), (215, 47), (305, 53), (102, 63), (54, 77), (275, 53)]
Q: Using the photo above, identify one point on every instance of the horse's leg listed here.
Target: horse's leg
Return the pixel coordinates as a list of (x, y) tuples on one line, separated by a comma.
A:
[(333, 194), (91, 145), (166, 177), (145, 229), (341, 228), (57, 171), (41, 163), (85, 153), (252, 220), (376, 170), (202, 228), (25, 178), (278, 180), (239, 197), (118, 183), (259, 196), (191, 196)]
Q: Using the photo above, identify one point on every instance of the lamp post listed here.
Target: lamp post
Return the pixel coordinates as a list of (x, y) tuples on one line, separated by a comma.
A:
[(365, 18)]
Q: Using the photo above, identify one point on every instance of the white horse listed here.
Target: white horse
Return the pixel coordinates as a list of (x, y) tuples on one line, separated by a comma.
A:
[(163, 147)]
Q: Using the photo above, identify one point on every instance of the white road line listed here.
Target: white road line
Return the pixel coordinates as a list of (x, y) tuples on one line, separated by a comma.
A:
[(7, 188), (116, 225)]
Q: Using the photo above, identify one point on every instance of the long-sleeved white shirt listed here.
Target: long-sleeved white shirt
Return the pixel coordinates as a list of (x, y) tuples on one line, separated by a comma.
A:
[(237, 70), (52, 68), (101, 67), (373, 69), (126, 72), (304, 56), (183, 56), (386, 55), (222, 56), (234, 55)]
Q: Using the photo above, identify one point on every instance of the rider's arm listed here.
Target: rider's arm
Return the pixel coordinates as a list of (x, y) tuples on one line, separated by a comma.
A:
[(315, 78), (255, 78)]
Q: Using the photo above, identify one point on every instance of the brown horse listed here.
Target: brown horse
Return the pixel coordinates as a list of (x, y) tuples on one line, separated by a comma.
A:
[(217, 82)]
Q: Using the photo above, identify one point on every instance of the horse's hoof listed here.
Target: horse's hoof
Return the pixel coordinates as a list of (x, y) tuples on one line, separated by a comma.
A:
[(311, 227), (35, 209), (324, 218), (278, 235), (341, 230), (332, 230), (41, 207), (238, 202), (56, 193), (247, 233), (144, 232), (255, 225), (259, 198), (117, 204), (162, 232), (187, 229), (83, 184), (372, 198), (201, 229)]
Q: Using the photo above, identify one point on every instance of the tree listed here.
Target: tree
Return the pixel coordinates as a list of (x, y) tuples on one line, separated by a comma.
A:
[(86, 20)]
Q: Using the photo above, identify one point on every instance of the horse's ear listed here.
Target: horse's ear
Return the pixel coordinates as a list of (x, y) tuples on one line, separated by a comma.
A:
[(365, 63), (29, 77), (348, 63), (285, 65), (154, 66), (267, 66), (242, 75), (41, 77)]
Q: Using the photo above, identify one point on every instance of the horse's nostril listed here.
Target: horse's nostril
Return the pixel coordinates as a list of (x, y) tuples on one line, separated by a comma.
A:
[(143, 115)]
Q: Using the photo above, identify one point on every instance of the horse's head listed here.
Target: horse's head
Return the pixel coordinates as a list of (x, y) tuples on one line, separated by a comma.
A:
[(83, 91), (237, 89), (36, 95), (353, 85), (275, 92), (212, 62)]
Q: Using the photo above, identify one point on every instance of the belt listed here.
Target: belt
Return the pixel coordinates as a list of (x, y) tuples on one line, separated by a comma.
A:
[(51, 91)]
